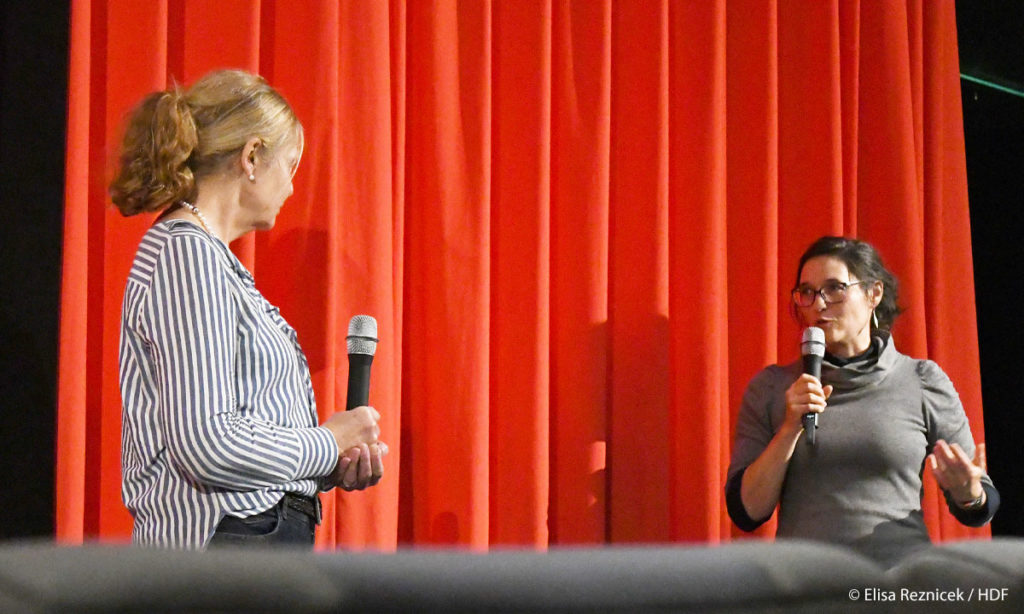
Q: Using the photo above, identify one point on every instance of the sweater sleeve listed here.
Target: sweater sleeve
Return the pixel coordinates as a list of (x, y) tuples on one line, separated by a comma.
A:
[(192, 325), (946, 420), (754, 431), (734, 503)]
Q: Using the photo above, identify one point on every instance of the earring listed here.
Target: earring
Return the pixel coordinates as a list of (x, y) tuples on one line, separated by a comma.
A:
[(874, 319), (252, 176)]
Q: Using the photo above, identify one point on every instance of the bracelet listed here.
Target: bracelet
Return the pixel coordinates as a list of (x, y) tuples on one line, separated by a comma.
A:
[(973, 504)]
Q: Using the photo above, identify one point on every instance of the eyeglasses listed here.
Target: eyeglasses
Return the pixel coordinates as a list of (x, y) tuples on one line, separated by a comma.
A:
[(832, 292)]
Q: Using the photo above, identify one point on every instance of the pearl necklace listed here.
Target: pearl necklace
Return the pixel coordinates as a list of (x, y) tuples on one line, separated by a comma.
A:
[(199, 215)]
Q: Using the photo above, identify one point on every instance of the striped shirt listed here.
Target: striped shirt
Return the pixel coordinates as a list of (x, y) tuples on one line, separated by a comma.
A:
[(218, 411)]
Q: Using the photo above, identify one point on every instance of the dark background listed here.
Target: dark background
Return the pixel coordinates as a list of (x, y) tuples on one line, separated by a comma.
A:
[(33, 94), (991, 35)]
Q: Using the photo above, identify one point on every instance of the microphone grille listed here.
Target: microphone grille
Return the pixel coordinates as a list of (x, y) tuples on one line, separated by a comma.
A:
[(813, 342), (362, 335)]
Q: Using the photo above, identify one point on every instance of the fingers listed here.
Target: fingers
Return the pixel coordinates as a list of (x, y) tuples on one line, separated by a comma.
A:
[(369, 418), (366, 467), (942, 472), (807, 396), (350, 477), (980, 461), (946, 453), (953, 456), (356, 432), (351, 428), (938, 471), (955, 471), (343, 464), (369, 410), (961, 456), (803, 399), (377, 453), (807, 378), (364, 471), (945, 459)]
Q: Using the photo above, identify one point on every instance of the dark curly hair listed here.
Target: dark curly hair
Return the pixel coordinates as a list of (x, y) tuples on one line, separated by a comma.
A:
[(864, 263)]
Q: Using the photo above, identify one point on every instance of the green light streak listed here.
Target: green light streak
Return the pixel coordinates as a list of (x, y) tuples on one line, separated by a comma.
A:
[(996, 86)]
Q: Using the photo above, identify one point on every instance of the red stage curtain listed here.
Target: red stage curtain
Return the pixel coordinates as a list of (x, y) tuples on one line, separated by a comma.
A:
[(576, 223)]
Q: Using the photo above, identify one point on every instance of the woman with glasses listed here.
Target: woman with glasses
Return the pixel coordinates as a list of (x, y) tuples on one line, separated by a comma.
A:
[(883, 417)]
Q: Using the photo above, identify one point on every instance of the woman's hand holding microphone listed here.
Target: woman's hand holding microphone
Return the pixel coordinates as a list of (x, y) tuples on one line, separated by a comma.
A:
[(805, 395), (361, 463)]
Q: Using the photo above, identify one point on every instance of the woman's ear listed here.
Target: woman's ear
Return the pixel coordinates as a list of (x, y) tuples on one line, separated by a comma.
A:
[(877, 292), (248, 156)]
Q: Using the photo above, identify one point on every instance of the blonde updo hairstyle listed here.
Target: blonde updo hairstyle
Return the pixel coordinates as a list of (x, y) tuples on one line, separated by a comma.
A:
[(174, 138)]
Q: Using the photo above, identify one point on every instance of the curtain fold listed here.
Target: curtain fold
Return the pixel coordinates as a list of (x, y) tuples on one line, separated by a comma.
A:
[(520, 308), (580, 136), (698, 275), (576, 223), (752, 192), (638, 275)]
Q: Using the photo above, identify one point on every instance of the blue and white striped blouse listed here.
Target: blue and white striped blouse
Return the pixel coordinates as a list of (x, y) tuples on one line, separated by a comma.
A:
[(218, 410)]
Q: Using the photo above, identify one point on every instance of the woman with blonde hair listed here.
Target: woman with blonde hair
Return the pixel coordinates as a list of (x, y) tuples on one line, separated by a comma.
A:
[(221, 442)]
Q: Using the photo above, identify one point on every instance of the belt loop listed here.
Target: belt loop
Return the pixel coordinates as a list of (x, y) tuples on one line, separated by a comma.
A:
[(318, 507)]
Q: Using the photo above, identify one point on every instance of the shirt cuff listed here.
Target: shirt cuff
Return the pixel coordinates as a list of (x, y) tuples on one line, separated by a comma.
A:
[(318, 452)]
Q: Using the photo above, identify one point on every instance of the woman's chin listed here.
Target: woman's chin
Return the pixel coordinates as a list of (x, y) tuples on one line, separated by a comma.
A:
[(265, 224), (832, 342)]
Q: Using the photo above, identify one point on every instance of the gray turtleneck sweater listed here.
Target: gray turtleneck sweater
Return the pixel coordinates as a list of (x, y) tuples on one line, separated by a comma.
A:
[(860, 484)]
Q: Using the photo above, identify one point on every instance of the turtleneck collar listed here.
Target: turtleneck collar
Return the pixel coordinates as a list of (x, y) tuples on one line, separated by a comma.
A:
[(840, 361), (867, 368)]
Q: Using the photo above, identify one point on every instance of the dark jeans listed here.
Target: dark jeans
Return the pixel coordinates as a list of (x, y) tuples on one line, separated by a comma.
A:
[(281, 525)]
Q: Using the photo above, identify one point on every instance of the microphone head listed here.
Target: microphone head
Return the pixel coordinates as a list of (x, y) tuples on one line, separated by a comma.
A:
[(362, 335), (813, 342)]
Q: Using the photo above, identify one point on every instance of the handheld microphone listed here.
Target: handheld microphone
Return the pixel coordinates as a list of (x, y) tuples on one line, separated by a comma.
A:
[(812, 348), (362, 344)]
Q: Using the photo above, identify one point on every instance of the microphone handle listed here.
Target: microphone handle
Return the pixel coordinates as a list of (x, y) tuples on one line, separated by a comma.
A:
[(358, 380), (812, 365), (810, 425)]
